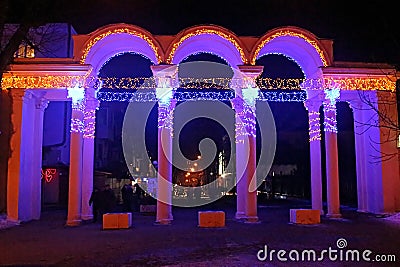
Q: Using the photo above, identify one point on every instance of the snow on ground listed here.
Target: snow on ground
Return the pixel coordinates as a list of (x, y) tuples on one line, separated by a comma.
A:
[(4, 224), (394, 218)]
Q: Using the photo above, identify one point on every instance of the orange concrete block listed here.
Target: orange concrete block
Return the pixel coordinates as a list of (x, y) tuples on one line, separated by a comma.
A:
[(211, 218), (110, 221), (117, 220), (305, 216), (124, 220)]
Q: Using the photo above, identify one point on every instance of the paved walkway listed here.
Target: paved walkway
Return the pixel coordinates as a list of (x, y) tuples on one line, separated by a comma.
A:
[(49, 243)]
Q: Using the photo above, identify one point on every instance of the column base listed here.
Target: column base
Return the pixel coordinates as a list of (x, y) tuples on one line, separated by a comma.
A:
[(17, 222), (240, 215), (73, 223), (87, 217), (252, 219), (163, 222), (334, 215), (362, 211)]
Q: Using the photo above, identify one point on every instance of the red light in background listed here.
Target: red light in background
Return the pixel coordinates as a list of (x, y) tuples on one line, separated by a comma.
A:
[(49, 174)]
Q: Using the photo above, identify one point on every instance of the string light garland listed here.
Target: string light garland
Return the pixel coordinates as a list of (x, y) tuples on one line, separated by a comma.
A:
[(246, 125), (127, 96), (89, 119), (126, 83), (142, 83), (331, 96), (225, 36), (330, 124), (314, 126), (245, 120), (293, 34), (197, 96), (42, 82), (166, 117), (300, 96), (77, 126), (92, 42)]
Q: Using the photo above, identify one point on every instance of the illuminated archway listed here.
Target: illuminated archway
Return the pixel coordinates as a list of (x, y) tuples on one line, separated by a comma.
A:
[(298, 44), (111, 40), (210, 39)]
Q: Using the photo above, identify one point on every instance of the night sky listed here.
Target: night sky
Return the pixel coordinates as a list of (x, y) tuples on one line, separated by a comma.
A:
[(361, 30)]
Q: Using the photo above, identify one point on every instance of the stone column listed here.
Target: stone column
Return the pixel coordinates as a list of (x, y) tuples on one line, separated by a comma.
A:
[(315, 153), (74, 216), (332, 168), (245, 108), (242, 158), (359, 137), (165, 76), (40, 105), (378, 182), (89, 121), (24, 164)]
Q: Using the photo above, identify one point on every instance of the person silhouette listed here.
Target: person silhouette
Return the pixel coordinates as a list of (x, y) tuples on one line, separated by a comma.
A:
[(127, 196), (94, 201)]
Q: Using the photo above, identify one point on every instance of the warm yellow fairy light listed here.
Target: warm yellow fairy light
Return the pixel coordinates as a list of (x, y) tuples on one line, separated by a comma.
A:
[(207, 31), (289, 33), (42, 82), (118, 31), (367, 84)]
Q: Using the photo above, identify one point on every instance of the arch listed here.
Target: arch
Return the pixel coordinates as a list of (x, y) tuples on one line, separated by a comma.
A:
[(207, 38), (115, 39), (296, 43)]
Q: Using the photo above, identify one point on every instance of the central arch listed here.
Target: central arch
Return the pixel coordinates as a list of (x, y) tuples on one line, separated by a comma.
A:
[(212, 39)]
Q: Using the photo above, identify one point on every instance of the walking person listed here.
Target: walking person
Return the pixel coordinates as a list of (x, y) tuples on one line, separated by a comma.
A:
[(127, 196), (109, 199), (94, 201)]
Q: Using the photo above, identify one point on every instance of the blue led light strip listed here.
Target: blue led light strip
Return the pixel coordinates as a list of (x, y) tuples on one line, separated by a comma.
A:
[(150, 96), (300, 96)]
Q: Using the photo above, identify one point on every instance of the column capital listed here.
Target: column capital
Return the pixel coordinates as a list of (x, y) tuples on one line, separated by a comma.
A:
[(90, 92), (164, 70), (251, 71), (355, 104), (246, 86), (77, 96), (92, 104), (166, 79), (18, 94), (166, 76), (313, 105), (41, 103)]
